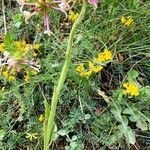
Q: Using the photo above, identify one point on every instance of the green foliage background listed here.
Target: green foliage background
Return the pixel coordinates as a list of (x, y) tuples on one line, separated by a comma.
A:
[(84, 120)]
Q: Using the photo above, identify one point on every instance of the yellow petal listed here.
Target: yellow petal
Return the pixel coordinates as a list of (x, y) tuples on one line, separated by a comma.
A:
[(2, 47), (97, 69), (86, 73), (80, 68), (36, 46), (123, 20), (41, 118), (31, 138), (11, 77)]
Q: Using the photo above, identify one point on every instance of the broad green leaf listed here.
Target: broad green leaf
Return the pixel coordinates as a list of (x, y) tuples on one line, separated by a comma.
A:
[(62, 132), (18, 24), (55, 134)]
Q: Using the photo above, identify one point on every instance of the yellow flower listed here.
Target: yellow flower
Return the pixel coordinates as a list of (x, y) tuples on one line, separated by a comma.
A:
[(33, 72), (13, 71), (35, 46), (127, 21), (31, 136), (26, 78), (104, 56), (8, 76), (94, 68), (32, 46), (85, 73), (130, 88), (81, 70), (5, 74), (72, 16), (11, 77), (2, 47), (34, 54), (21, 45), (41, 118), (108, 54)]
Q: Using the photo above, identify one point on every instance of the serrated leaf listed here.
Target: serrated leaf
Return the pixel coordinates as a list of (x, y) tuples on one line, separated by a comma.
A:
[(128, 133), (124, 128), (143, 126), (136, 116), (117, 95), (145, 94), (114, 137), (116, 111)]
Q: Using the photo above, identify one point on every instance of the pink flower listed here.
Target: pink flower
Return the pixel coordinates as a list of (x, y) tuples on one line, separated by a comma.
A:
[(93, 2)]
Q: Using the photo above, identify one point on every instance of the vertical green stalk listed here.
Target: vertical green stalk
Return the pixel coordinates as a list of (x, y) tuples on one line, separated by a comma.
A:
[(50, 115)]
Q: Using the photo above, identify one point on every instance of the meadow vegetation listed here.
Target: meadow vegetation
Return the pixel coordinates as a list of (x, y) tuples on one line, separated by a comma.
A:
[(104, 99)]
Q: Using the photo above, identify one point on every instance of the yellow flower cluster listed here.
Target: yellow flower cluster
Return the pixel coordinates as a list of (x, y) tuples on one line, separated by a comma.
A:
[(92, 69), (28, 74), (131, 89), (21, 45), (104, 56), (94, 65), (72, 16), (11, 64), (127, 21), (31, 136), (9, 75)]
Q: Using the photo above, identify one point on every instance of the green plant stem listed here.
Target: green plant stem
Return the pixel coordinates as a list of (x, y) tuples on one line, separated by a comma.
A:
[(49, 125)]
